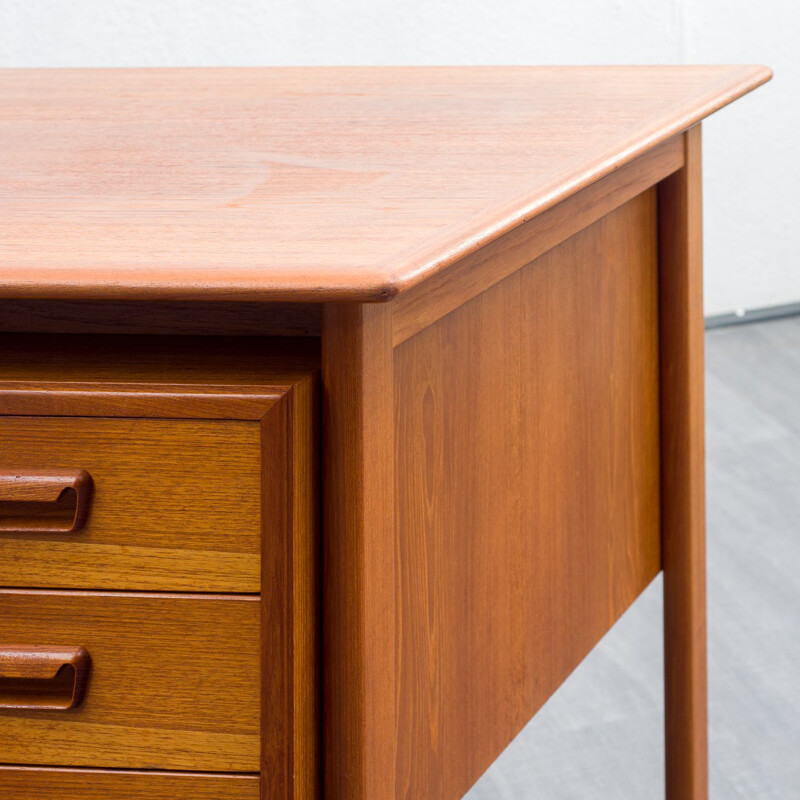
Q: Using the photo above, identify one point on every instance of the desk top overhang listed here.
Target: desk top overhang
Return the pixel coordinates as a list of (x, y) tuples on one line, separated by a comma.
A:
[(307, 184)]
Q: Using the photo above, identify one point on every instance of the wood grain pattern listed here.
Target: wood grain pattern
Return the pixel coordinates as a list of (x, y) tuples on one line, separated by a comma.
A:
[(358, 553), (683, 481), (136, 400), (290, 619), (192, 504), (52, 678), (175, 505), (195, 319), (24, 783), (45, 501), (157, 362), (526, 492), (174, 684), (307, 597), (399, 172), (443, 293), (42, 486)]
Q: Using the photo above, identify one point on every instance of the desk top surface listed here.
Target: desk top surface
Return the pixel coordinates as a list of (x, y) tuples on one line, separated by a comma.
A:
[(307, 184)]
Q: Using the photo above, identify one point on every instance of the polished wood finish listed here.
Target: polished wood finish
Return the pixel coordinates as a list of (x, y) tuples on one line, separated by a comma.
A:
[(225, 501), (290, 624), (682, 476), (358, 553), (44, 486), (43, 678), (431, 300), (67, 492), (399, 172), (42, 783), (526, 492), (268, 364), (160, 401), (174, 683), (498, 270), (176, 504), (196, 319)]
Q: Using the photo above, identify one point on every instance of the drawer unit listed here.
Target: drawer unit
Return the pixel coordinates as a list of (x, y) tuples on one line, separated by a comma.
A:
[(158, 570), (175, 504), (173, 683)]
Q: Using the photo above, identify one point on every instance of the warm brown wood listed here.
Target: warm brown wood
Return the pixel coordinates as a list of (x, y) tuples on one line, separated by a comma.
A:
[(495, 469), (45, 486), (174, 683), (358, 553), (190, 504), (398, 173), (38, 783), (290, 702), (43, 678), (161, 401), (682, 476), (157, 363), (175, 506), (526, 492), (22, 495), (197, 319), (431, 300), (159, 377), (306, 603)]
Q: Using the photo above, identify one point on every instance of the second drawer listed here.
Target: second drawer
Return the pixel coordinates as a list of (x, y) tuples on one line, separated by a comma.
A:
[(173, 682)]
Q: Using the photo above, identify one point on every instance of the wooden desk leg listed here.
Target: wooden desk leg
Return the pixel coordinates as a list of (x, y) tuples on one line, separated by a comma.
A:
[(358, 553), (682, 470)]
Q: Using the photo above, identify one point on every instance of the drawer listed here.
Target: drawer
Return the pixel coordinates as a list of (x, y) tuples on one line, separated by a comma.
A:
[(160, 512), (175, 505), (173, 682), (26, 783)]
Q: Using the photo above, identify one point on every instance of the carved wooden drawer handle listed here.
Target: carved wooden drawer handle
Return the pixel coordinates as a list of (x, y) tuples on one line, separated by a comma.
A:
[(44, 501), (43, 678)]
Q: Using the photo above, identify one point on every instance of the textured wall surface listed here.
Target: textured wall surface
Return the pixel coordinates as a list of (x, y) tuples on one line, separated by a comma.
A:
[(752, 152)]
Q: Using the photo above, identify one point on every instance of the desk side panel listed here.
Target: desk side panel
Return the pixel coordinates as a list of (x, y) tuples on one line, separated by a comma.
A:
[(526, 492)]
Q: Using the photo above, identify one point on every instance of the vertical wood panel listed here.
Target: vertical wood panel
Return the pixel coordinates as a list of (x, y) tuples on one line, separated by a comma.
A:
[(358, 552), (289, 626), (683, 482), (277, 605), (526, 492), (306, 652)]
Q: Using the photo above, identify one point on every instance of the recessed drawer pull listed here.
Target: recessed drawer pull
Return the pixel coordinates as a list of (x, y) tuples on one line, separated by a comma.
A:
[(43, 678), (44, 501)]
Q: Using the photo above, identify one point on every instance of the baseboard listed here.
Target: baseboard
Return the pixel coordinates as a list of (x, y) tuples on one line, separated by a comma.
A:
[(752, 315)]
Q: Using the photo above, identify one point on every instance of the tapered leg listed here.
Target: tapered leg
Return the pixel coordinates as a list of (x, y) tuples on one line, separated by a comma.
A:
[(683, 484)]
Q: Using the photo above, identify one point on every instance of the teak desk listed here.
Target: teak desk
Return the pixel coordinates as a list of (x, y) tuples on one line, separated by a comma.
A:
[(342, 412)]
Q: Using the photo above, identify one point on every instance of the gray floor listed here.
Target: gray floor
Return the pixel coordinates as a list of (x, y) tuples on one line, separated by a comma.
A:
[(600, 736)]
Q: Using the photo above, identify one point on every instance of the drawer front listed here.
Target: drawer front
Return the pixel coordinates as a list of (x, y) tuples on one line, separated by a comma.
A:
[(173, 683), (25, 783), (175, 504)]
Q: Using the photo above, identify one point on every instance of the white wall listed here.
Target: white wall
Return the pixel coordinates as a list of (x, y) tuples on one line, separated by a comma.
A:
[(752, 150)]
